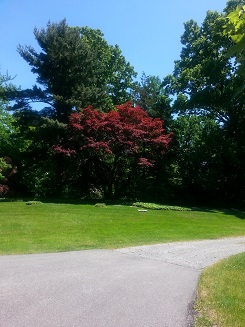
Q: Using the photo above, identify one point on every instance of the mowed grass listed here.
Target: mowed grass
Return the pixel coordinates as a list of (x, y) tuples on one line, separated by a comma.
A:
[(221, 294), (52, 227)]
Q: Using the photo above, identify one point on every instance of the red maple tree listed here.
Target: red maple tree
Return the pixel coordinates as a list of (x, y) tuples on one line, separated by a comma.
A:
[(115, 145)]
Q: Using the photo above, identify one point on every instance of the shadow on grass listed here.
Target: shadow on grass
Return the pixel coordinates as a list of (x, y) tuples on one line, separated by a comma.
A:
[(68, 201), (235, 212), (231, 212), (238, 213)]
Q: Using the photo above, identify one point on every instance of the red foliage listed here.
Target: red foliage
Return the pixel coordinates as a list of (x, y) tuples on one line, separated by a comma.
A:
[(67, 152), (7, 172), (113, 149), (4, 189), (125, 131), (145, 162)]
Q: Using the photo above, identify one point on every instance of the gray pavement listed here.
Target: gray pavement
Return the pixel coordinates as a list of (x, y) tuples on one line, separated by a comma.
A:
[(149, 286)]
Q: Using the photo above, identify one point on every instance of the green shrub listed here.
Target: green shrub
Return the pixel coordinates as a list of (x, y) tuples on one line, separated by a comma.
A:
[(33, 202), (100, 205), (155, 206)]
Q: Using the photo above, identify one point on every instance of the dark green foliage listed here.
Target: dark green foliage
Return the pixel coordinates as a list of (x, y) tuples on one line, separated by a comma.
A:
[(150, 96), (9, 145), (211, 123), (7, 141), (77, 68), (39, 173), (202, 103)]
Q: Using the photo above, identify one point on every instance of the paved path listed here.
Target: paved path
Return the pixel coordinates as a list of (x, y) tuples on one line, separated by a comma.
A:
[(149, 286)]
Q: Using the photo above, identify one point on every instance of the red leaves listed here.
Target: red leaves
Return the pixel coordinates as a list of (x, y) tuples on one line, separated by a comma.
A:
[(3, 189), (96, 146), (121, 132), (145, 162), (114, 149), (7, 170), (65, 151)]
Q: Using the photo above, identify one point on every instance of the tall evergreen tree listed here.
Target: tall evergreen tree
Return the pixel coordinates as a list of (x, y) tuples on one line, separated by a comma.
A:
[(76, 67)]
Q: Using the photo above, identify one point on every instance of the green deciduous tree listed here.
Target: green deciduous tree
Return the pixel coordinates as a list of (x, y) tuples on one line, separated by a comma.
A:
[(198, 168), (6, 119), (235, 29), (150, 96), (6, 132), (38, 171), (8, 143), (205, 84)]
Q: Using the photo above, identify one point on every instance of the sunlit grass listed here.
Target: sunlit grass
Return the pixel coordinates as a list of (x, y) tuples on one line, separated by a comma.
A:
[(52, 227), (221, 294)]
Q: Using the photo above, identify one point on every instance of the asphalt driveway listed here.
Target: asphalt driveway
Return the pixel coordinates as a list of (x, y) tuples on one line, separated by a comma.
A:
[(149, 286)]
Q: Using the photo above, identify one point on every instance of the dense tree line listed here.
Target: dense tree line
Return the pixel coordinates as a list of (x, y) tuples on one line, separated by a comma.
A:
[(210, 104), (103, 133)]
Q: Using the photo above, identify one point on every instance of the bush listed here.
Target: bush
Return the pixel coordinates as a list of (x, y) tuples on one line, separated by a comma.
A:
[(155, 206), (100, 205), (33, 202)]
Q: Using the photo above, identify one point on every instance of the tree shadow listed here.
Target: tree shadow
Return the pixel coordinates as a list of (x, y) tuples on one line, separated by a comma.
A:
[(238, 213), (68, 201)]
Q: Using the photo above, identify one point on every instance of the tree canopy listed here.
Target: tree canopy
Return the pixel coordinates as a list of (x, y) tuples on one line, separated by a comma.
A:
[(235, 29), (8, 144), (114, 147), (179, 138), (76, 67), (205, 83), (149, 94)]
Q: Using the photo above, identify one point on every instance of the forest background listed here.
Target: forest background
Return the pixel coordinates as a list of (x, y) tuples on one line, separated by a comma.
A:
[(100, 131)]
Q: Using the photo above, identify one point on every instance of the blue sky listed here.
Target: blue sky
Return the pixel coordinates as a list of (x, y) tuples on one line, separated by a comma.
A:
[(147, 31)]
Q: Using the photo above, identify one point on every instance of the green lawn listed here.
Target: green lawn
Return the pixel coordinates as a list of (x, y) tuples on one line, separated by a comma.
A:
[(221, 294), (52, 227)]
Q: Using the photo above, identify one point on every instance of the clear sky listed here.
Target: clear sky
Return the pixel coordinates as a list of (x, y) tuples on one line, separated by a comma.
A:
[(147, 31)]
